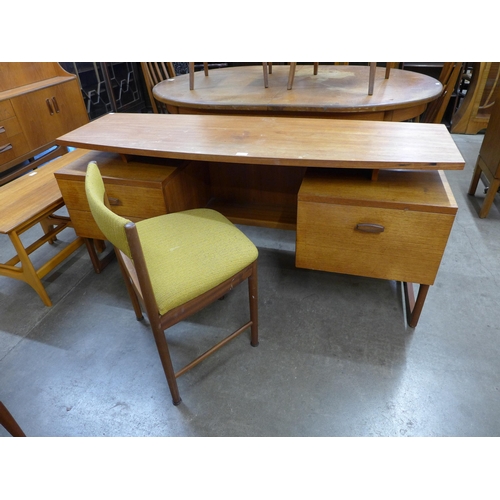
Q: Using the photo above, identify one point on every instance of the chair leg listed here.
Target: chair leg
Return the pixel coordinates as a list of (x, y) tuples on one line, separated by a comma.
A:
[(475, 179), (266, 79), (490, 197), (191, 76), (371, 78), (492, 190), (388, 66), (8, 421), (316, 68), (291, 75), (166, 361), (254, 307), (191, 73)]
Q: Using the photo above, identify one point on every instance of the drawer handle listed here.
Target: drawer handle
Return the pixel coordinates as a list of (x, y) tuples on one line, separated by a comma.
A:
[(56, 107), (114, 201), (5, 148), (370, 228), (49, 105), (2, 129)]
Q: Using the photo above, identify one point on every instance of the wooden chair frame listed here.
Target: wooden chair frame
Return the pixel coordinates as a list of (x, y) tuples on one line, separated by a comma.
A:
[(448, 77), (267, 68), (371, 76), (9, 423), (141, 294), (154, 73)]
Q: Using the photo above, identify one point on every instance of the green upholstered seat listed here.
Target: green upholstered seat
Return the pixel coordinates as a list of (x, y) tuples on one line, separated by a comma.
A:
[(191, 252)]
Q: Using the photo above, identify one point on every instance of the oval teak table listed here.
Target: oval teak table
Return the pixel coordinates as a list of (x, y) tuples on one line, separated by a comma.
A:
[(335, 92)]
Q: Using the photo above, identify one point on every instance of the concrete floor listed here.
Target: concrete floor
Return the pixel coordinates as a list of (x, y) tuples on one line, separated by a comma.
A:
[(336, 357)]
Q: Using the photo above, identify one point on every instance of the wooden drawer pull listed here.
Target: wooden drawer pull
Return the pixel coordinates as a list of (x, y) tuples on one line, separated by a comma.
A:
[(114, 202), (5, 148), (370, 228), (56, 107), (49, 105)]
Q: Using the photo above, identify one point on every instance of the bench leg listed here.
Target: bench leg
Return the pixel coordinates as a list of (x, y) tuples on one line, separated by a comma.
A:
[(28, 272)]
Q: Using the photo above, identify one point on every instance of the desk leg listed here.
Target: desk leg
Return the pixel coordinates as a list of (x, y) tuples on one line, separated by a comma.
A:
[(94, 247), (414, 307)]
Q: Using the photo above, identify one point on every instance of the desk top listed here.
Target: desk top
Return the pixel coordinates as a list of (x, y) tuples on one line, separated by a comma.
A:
[(336, 91), (299, 142)]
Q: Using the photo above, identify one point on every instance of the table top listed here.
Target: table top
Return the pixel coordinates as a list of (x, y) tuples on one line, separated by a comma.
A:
[(299, 142), (335, 89), (33, 193)]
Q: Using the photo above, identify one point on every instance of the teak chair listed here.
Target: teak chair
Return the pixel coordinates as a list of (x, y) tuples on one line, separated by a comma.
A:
[(191, 73), (371, 77), (154, 73), (175, 265), (448, 77), (265, 67), (488, 162)]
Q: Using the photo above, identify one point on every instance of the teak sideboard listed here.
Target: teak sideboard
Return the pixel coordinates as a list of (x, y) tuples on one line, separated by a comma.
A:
[(365, 198), (38, 103)]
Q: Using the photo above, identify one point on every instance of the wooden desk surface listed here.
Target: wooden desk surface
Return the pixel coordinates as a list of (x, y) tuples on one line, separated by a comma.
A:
[(300, 142), (335, 92)]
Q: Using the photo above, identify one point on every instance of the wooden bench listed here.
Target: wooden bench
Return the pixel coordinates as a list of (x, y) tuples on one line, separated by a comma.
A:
[(31, 199)]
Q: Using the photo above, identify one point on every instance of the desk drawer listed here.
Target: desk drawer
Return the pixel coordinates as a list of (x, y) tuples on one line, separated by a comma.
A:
[(127, 201), (408, 239), (85, 225), (409, 249)]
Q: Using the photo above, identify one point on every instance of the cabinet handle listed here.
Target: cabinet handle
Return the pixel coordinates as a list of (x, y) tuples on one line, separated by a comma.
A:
[(2, 130), (5, 148), (370, 228), (49, 105), (56, 107)]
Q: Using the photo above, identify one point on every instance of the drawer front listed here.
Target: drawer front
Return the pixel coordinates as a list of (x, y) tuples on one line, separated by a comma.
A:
[(85, 225), (409, 249), (13, 143), (127, 201)]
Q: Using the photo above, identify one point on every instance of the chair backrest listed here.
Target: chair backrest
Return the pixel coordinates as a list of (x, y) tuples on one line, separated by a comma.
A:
[(449, 76), (154, 73), (123, 234), (111, 225)]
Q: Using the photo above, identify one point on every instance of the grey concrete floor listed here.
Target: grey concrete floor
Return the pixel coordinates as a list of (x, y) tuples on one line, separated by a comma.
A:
[(336, 357)]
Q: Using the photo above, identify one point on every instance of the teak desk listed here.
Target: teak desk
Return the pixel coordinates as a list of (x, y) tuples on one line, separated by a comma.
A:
[(366, 198)]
